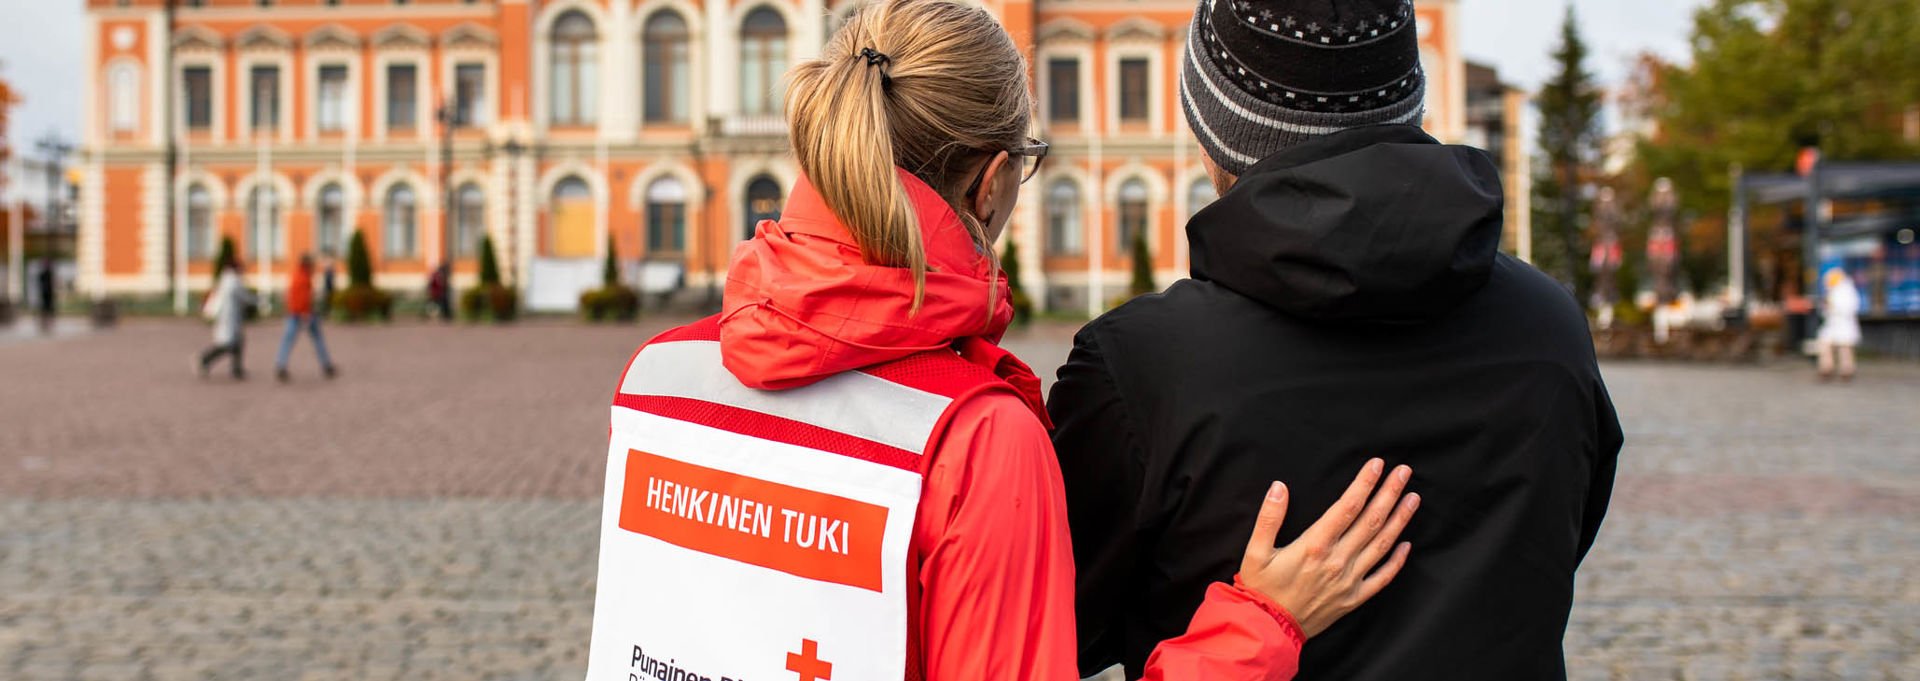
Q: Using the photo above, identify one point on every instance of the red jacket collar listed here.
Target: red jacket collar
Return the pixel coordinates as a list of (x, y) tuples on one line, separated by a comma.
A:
[(801, 304)]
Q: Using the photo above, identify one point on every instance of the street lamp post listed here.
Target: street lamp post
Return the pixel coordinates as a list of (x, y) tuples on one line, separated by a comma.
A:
[(448, 118), (56, 150)]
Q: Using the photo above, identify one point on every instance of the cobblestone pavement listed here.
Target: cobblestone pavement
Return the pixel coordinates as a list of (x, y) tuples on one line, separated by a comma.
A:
[(432, 514)]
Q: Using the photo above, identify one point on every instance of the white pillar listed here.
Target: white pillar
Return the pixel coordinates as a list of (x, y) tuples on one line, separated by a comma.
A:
[(1096, 240), (181, 209), (720, 79), (16, 236)]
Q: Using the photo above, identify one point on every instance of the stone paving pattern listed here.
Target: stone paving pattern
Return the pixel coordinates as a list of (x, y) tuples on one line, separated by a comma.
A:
[(433, 513)]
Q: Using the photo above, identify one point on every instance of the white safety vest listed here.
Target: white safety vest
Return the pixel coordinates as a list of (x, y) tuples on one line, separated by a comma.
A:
[(752, 535)]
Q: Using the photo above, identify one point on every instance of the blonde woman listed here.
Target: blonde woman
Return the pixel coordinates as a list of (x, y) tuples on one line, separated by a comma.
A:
[(843, 476)]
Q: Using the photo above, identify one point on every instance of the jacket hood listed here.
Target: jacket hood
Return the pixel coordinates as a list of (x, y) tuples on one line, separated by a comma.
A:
[(801, 304), (1373, 224)]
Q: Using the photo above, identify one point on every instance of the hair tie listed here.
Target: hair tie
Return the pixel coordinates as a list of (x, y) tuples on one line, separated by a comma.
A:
[(877, 58)]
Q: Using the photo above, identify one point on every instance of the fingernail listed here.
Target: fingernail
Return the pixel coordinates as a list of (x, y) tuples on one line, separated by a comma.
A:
[(1403, 473), (1376, 465), (1412, 502), (1276, 491)]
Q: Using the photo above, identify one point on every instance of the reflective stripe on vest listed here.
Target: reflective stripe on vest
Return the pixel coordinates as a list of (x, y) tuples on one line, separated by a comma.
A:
[(762, 535)]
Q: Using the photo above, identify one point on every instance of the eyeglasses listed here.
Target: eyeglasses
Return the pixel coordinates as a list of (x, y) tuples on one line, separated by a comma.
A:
[(1031, 155)]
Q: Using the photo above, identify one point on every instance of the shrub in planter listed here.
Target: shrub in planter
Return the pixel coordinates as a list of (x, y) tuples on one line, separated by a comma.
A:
[(489, 299), (1142, 283), (360, 301), (613, 301), (363, 303)]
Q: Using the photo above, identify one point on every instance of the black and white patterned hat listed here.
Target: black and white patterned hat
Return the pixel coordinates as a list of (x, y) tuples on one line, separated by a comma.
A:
[(1258, 76)]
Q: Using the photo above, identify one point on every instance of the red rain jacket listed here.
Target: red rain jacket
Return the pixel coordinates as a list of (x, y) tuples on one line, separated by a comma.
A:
[(992, 567)]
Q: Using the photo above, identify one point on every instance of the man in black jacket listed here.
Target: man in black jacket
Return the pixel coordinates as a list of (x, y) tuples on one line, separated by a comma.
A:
[(1347, 301)]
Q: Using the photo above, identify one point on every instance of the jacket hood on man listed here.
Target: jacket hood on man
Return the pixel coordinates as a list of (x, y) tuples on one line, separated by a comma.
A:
[(1374, 224), (801, 304)]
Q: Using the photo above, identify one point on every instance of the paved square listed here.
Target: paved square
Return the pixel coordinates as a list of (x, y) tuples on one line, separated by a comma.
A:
[(432, 514)]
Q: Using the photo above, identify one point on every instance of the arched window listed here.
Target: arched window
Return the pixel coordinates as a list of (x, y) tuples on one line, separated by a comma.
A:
[(1064, 230), (469, 220), (123, 104), (665, 68), (1133, 215), (575, 53), (263, 222), (401, 230), (1199, 195), (763, 61), (199, 223), (331, 220), (666, 217), (572, 220), (763, 203)]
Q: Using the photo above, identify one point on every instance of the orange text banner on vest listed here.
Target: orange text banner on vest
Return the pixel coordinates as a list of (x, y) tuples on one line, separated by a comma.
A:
[(729, 556), (797, 531)]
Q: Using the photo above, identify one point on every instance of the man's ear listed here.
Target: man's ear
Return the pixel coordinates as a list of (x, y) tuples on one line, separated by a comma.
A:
[(1222, 180)]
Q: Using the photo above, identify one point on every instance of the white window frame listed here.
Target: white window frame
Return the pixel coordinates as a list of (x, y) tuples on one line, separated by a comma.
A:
[(423, 83), (127, 104), (350, 118), (1155, 55), (696, 48), (451, 60), (216, 95), (736, 27), (543, 60), (284, 62), (1083, 52)]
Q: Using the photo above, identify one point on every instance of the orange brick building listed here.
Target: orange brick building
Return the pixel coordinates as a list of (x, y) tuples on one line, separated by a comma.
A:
[(560, 127)]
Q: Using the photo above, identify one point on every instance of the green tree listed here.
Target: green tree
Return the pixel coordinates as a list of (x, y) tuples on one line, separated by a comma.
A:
[(1142, 267), (489, 265), (359, 263), (1010, 263), (1768, 77), (610, 270), (226, 256), (1570, 140)]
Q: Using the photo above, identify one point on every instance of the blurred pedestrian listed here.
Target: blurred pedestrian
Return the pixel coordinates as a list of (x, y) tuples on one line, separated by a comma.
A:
[(439, 292), (300, 315), (1839, 327), (324, 306), (49, 280), (227, 307)]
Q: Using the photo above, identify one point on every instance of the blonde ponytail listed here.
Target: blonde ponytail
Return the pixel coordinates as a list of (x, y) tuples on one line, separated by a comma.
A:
[(925, 85)]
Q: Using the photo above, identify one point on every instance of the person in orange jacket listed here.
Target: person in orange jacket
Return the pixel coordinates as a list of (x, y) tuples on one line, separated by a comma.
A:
[(856, 353), (300, 314)]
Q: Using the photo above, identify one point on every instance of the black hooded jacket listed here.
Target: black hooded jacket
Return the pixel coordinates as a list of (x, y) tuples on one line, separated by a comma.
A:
[(1347, 302)]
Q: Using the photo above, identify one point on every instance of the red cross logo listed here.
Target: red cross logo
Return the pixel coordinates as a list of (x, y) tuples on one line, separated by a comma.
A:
[(807, 662)]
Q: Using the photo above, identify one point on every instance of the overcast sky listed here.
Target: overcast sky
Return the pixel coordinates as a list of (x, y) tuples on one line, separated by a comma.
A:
[(42, 50)]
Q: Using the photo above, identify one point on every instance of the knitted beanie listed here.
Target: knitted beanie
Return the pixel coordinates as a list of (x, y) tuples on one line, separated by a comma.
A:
[(1258, 76)]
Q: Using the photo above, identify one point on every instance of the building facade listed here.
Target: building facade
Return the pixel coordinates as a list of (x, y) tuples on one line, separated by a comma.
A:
[(563, 128)]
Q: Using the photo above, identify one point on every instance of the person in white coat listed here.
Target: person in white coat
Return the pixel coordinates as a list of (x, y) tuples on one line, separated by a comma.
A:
[(226, 307), (1839, 327)]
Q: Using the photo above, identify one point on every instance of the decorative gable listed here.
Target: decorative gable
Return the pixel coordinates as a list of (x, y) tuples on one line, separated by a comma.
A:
[(1066, 30), (263, 37), (197, 39), (402, 37), (332, 37), (468, 36)]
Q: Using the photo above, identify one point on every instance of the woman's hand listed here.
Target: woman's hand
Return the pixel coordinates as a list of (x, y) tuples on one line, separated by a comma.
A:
[(1331, 568)]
